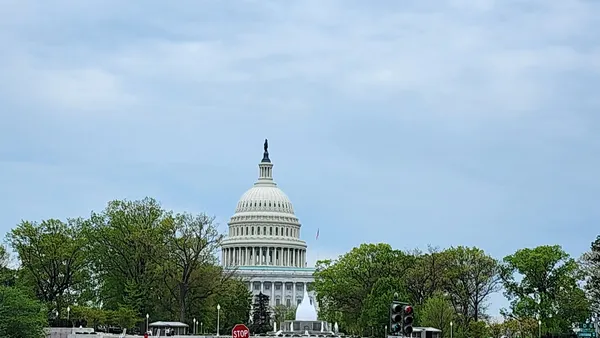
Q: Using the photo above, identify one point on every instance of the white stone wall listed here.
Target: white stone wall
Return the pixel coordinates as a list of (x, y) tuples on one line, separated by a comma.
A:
[(283, 286)]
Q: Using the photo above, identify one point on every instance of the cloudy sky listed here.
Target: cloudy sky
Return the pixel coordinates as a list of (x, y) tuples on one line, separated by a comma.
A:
[(455, 122)]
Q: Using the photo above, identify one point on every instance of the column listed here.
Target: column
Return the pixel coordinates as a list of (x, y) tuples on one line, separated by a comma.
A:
[(294, 294), (262, 287), (295, 258), (272, 300)]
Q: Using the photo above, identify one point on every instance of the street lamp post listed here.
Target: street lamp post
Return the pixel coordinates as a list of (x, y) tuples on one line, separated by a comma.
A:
[(539, 328), (194, 326), (218, 317), (201, 327), (147, 324), (451, 325)]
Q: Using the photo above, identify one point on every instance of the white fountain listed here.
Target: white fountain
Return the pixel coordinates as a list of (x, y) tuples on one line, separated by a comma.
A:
[(306, 322)]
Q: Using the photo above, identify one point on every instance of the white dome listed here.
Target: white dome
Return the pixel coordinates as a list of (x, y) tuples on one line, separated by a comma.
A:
[(265, 198), (306, 311)]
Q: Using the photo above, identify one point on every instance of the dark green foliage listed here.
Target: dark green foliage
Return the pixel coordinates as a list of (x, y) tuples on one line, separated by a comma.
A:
[(591, 262), (261, 315), (8, 276), (548, 288), (20, 316), (135, 258), (357, 289), (131, 259), (53, 257), (345, 287)]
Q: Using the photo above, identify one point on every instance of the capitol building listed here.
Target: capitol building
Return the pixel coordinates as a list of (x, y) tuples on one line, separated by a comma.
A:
[(264, 243)]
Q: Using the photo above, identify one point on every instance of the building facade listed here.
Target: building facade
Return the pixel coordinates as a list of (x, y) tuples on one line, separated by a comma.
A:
[(264, 244)]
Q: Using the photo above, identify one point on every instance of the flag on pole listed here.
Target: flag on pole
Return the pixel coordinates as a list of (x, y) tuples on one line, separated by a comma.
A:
[(317, 234)]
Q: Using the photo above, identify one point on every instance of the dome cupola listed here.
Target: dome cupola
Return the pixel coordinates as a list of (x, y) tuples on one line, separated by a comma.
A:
[(264, 220)]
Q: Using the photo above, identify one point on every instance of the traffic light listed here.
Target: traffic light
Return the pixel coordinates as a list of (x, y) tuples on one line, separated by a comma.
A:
[(396, 318), (407, 319)]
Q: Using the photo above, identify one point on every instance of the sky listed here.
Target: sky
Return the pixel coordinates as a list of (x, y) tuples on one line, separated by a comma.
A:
[(416, 123)]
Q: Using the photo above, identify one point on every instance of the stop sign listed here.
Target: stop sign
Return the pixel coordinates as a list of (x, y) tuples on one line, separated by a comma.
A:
[(240, 331)]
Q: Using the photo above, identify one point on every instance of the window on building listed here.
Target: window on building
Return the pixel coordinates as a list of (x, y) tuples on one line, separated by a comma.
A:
[(287, 232), (277, 286), (252, 230), (246, 231), (264, 230), (298, 301), (288, 302), (288, 287), (276, 231), (258, 230), (277, 301), (256, 286), (267, 286)]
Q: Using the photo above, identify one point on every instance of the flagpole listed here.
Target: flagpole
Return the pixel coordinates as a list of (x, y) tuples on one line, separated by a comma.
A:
[(317, 247)]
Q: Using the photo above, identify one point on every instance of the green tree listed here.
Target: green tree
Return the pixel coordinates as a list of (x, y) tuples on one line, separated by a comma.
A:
[(54, 258), (282, 312), (591, 265), (344, 285), (20, 316), (437, 312), (427, 276), (208, 284), (88, 316), (375, 310), (496, 330), (7, 275), (478, 329), (191, 243), (261, 316), (548, 288), (235, 301), (124, 317), (127, 240), (472, 276), (520, 327)]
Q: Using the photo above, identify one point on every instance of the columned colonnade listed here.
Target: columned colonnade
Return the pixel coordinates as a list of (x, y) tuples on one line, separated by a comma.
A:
[(264, 255), (281, 291)]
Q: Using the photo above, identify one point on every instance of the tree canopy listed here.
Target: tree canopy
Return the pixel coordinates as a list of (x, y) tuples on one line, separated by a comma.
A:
[(20, 315), (130, 259), (261, 315), (548, 287), (591, 268), (452, 285), (136, 258)]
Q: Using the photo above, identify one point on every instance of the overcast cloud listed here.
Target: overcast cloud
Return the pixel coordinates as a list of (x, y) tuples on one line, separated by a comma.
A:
[(457, 122)]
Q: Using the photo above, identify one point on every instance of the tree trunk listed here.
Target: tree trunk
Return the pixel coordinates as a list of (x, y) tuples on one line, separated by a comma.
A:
[(183, 291)]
